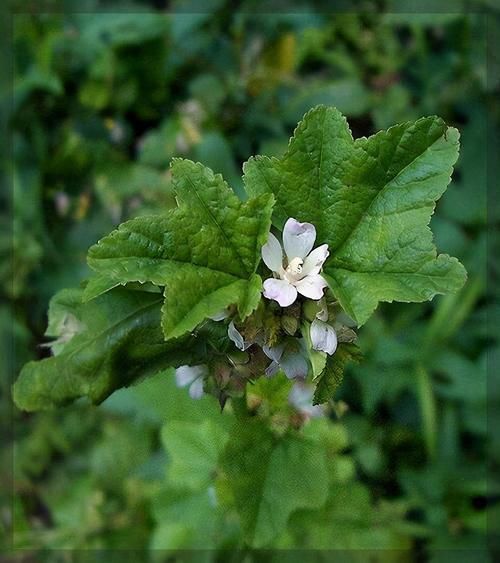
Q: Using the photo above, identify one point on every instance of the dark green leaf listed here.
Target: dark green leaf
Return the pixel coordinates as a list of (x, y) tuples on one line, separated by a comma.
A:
[(119, 340), (331, 378), (371, 200), (271, 478), (205, 252)]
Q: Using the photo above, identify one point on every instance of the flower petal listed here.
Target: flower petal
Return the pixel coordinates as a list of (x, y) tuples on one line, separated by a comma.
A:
[(314, 262), (196, 389), (281, 291), (294, 364), (311, 286), (272, 254), (235, 335), (275, 352), (272, 369), (184, 375), (298, 238), (323, 337)]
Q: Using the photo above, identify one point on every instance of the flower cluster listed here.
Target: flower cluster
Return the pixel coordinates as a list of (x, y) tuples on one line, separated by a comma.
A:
[(296, 271)]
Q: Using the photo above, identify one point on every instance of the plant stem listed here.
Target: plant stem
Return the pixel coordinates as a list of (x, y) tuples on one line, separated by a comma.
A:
[(427, 409)]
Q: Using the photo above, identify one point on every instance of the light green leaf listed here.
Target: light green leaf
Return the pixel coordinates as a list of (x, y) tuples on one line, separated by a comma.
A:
[(271, 478), (332, 376), (193, 449), (351, 522), (371, 200), (186, 520), (205, 252), (118, 341)]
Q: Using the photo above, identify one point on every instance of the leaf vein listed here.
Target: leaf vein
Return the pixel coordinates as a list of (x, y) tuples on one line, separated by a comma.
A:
[(209, 212), (382, 190)]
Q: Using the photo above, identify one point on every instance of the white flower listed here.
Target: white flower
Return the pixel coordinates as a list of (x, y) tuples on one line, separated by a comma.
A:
[(300, 273), (323, 337), (191, 376)]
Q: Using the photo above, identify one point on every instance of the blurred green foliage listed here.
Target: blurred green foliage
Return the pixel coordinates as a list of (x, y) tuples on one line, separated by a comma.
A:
[(102, 102)]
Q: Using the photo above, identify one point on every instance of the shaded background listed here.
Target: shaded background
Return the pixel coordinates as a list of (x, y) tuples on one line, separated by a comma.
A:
[(101, 104)]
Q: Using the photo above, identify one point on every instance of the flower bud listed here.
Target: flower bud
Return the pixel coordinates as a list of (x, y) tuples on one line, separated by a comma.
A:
[(289, 324), (310, 309)]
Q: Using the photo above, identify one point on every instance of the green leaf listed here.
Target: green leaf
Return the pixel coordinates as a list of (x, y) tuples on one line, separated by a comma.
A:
[(371, 200), (205, 252), (186, 520), (119, 341), (157, 398), (101, 30), (331, 378), (121, 450), (271, 478), (351, 522), (194, 450)]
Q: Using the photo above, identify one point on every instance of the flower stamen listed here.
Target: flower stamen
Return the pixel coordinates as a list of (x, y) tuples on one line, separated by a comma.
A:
[(294, 268)]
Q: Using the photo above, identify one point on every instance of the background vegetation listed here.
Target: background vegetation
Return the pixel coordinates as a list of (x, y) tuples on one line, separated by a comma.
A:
[(102, 102)]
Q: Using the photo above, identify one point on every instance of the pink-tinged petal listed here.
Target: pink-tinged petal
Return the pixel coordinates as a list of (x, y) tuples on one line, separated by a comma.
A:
[(298, 239), (311, 286), (272, 254), (323, 337), (184, 375), (196, 389), (281, 291), (314, 262)]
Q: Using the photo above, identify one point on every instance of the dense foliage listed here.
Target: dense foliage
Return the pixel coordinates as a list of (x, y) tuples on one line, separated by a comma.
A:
[(102, 103)]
